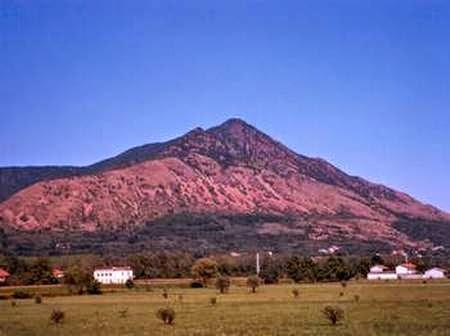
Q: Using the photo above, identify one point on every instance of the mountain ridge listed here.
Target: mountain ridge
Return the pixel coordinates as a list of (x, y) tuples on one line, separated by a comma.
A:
[(231, 169)]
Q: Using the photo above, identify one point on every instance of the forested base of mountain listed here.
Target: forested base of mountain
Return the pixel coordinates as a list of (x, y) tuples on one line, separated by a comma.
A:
[(197, 234), (437, 232)]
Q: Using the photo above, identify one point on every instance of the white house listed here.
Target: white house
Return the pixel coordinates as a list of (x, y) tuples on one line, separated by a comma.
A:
[(113, 275), (406, 269), (435, 273), (381, 272)]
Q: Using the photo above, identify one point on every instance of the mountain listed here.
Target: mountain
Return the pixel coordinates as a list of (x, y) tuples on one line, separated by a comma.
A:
[(215, 188)]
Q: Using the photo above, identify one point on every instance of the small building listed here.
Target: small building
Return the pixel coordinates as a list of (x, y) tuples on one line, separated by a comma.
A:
[(3, 275), (381, 272), (378, 269), (113, 275), (435, 273), (406, 269), (58, 273)]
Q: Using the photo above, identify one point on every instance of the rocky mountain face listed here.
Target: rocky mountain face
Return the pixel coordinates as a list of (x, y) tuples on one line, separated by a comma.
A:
[(229, 170)]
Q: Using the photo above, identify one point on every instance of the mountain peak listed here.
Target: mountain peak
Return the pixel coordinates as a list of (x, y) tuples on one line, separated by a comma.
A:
[(233, 125)]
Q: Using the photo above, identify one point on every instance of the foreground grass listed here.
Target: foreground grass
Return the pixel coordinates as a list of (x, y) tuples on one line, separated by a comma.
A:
[(383, 309)]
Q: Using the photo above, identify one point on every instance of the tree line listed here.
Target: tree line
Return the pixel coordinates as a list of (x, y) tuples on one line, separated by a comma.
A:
[(299, 268)]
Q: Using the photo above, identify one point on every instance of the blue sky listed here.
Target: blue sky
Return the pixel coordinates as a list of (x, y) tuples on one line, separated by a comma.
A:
[(363, 84)]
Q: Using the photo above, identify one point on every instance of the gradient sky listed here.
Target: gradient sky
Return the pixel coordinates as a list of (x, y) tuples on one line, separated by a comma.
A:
[(363, 84)]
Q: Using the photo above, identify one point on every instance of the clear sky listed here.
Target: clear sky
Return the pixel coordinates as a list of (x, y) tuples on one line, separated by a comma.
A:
[(363, 84)]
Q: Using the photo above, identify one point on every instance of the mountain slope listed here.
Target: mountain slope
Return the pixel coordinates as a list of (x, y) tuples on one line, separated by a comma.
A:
[(232, 169)]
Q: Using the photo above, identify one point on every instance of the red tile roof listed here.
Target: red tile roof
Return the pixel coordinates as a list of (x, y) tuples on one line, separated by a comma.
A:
[(409, 265)]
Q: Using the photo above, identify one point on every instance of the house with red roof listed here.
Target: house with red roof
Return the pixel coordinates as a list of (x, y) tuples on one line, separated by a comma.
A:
[(3, 275), (58, 273), (406, 268)]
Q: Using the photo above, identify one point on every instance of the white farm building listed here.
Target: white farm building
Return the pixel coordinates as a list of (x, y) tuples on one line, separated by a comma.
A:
[(381, 272), (435, 273), (113, 275)]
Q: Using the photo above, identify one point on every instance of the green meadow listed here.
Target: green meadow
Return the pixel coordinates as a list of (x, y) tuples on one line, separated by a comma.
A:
[(392, 308)]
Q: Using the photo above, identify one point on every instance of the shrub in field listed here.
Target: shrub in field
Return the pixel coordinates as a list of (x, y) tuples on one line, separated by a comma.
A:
[(93, 287), (129, 284), (356, 297), (223, 284), (21, 294), (38, 299), (196, 284), (333, 314), (253, 282), (341, 294), (180, 297), (213, 301), (344, 284), (13, 303), (167, 315), (296, 292), (57, 316), (165, 294), (123, 313)]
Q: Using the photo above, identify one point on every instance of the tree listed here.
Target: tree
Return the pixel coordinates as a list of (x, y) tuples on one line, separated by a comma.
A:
[(40, 272), (204, 269), (334, 269), (253, 282), (77, 278), (270, 272), (223, 284), (301, 269)]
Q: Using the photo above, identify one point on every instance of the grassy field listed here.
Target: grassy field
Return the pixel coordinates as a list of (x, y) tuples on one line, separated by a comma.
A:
[(383, 309)]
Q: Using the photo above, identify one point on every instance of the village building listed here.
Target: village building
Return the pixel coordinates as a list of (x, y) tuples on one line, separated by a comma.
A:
[(113, 275), (3, 275), (58, 274), (435, 273), (381, 272), (407, 271)]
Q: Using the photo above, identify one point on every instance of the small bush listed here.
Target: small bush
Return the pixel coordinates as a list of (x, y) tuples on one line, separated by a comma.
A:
[(223, 284), (57, 316), (333, 314), (123, 313), (424, 282), (21, 294), (296, 292), (38, 299), (253, 282), (180, 297), (129, 284), (167, 315), (430, 304), (344, 284), (356, 297), (213, 301), (165, 294), (94, 287), (196, 284), (13, 303), (341, 294)]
